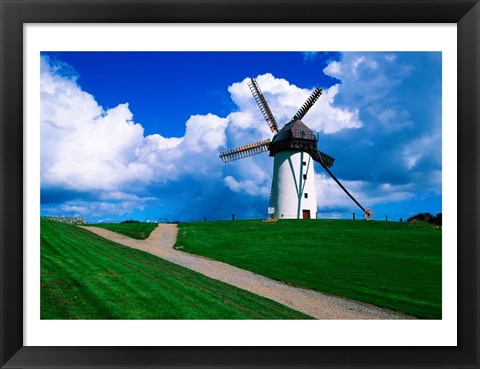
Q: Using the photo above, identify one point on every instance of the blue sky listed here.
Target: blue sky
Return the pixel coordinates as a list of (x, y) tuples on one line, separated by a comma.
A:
[(136, 135)]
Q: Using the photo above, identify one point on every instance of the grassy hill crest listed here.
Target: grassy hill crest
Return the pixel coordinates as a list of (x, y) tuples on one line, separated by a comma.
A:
[(396, 265), (84, 276)]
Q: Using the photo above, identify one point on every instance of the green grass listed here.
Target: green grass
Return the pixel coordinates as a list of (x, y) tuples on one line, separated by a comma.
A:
[(84, 276), (388, 264), (139, 231)]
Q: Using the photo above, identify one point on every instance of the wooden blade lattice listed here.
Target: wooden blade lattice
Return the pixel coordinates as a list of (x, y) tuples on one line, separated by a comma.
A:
[(323, 158), (308, 104), (244, 151), (262, 104)]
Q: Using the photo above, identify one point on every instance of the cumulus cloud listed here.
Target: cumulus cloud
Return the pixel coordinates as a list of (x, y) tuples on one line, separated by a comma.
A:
[(83, 146), (398, 97), (331, 197), (421, 149), (87, 149), (378, 82), (253, 176), (284, 100), (248, 186), (95, 209), (205, 133), (100, 162)]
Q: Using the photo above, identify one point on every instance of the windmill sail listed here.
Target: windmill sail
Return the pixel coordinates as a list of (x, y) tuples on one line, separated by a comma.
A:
[(295, 137), (320, 160), (323, 158), (308, 104), (262, 104), (244, 151)]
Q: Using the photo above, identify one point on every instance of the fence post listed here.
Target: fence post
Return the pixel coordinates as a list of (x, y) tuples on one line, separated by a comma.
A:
[(354, 216), (204, 219), (233, 216), (386, 217)]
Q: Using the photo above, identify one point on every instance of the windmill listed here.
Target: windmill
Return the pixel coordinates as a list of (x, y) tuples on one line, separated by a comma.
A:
[(294, 149)]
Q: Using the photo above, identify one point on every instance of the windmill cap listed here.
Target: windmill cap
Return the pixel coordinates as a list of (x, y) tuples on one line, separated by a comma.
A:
[(294, 130), (293, 136)]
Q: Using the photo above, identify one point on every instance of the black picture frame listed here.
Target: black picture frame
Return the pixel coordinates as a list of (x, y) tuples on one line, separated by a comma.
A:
[(15, 13)]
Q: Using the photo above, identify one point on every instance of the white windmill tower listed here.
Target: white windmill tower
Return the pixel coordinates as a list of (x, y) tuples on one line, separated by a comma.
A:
[(294, 149)]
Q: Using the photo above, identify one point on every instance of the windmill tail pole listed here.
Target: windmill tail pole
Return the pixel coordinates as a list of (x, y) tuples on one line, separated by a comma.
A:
[(343, 188)]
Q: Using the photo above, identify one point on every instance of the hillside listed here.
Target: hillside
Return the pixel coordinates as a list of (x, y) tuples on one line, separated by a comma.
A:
[(137, 230), (388, 264), (84, 276)]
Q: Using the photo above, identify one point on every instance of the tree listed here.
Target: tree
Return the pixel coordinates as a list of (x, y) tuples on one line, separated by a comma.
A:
[(427, 218)]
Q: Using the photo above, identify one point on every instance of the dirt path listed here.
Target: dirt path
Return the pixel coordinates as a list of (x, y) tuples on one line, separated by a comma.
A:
[(315, 304)]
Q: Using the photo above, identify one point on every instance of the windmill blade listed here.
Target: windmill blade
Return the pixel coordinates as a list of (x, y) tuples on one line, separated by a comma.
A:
[(323, 158), (244, 151), (308, 104), (262, 104), (367, 213)]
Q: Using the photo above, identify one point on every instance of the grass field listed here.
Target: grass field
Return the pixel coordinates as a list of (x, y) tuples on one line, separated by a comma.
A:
[(388, 264), (84, 276), (139, 231)]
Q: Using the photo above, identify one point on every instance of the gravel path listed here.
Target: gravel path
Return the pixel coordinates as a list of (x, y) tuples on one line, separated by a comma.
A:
[(315, 304)]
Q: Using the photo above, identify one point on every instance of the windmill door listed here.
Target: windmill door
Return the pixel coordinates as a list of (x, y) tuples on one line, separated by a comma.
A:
[(306, 214)]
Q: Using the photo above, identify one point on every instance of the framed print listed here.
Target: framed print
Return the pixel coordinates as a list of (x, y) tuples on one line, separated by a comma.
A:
[(44, 39)]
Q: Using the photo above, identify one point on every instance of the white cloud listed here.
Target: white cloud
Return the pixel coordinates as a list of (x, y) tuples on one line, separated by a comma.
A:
[(391, 119), (205, 132), (331, 197), (284, 100), (426, 146), (325, 117), (105, 152), (95, 209), (333, 69), (88, 149), (85, 148), (363, 80), (123, 196), (247, 186), (370, 81), (74, 210), (243, 120)]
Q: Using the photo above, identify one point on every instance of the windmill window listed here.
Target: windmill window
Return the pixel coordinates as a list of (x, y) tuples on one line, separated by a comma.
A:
[(304, 163), (305, 195), (304, 176)]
